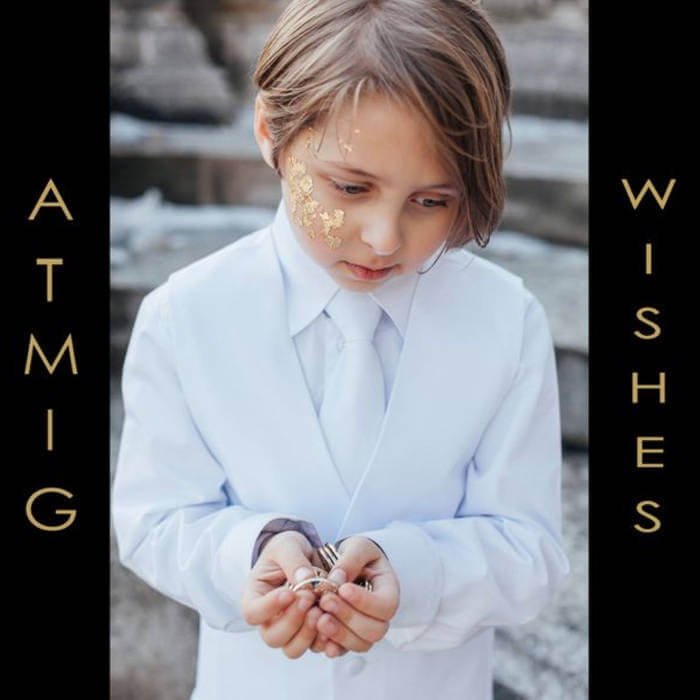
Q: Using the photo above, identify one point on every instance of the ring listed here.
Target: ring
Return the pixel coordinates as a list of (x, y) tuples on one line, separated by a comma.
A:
[(330, 556), (318, 583)]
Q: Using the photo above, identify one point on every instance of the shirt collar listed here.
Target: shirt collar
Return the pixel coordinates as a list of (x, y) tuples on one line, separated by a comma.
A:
[(309, 288)]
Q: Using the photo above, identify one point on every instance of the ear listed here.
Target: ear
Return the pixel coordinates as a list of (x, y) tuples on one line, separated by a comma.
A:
[(262, 133)]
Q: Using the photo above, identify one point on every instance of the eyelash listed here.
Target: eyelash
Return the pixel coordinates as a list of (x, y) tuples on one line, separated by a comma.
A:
[(344, 188)]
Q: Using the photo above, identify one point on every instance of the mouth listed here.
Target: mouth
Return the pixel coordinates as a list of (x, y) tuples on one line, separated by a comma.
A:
[(368, 273)]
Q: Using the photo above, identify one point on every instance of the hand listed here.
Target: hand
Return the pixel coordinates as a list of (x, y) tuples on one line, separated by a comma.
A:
[(355, 618), (286, 619)]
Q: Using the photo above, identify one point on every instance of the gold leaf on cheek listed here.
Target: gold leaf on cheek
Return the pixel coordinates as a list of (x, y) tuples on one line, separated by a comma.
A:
[(310, 207), (306, 210), (306, 185), (330, 223)]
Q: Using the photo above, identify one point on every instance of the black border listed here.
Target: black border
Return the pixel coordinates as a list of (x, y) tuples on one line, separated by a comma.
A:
[(57, 128), (640, 584)]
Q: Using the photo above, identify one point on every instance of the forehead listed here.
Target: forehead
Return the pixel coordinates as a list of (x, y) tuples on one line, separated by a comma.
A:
[(382, 137)]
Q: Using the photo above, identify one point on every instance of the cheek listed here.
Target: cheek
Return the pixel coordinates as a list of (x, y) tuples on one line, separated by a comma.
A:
[(428, 238), (308, 213)]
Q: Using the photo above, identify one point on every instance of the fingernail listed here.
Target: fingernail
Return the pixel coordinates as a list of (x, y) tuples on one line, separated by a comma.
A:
[(302, 573), (338, 576), (285, 597), (304, 603)]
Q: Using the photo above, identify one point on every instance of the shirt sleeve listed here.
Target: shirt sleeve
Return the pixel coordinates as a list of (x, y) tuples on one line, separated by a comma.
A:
[(278, 525), (500, 558), (337, 544), (175, 523)]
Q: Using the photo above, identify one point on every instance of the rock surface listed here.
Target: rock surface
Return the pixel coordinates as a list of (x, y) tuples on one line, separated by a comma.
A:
[(532, 31), (548, 62), (159, 67), (547, 179)]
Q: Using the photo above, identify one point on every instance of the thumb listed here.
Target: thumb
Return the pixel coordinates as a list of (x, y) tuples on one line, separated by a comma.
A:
[(295, 564), (349, 565)]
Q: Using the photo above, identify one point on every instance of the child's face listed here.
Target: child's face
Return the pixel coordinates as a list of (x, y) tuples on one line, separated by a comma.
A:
[(396, 219)]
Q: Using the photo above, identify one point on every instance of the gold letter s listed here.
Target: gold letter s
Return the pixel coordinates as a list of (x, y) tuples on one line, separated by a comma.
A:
[(657, 523)]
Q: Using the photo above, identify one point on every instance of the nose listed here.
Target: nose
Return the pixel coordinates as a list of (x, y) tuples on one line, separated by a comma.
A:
[(383, 234)]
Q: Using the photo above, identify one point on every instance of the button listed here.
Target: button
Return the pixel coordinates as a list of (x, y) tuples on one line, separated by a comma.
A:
[(355, 665)]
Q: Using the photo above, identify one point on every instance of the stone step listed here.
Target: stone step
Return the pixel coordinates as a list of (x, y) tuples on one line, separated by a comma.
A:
[(151, 239), (547, 180), (195, 63), (532, 32), (548, 62), (546, 170)]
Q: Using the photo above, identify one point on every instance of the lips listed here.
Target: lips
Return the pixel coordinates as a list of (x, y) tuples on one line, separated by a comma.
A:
[(369, 267), (368, 273)]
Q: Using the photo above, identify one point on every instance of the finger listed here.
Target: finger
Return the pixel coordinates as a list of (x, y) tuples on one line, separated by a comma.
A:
[(334, 650), (290, 554), (368, 628), (381, 602), (323, 644), (319, 643), (280, 630), (260, 584), (337, 632), (259, 609), (304, 638), (355, 553)]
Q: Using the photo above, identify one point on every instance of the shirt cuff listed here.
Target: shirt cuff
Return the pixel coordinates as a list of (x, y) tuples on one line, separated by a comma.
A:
[(417, 566), (274, 527), (231, 566), (337, 544)]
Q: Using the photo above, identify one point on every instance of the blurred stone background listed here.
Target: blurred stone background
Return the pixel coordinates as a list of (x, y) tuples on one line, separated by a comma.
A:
[(187, 179)]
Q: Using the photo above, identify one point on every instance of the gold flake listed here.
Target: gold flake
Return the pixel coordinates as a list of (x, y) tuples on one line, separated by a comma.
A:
[(306, 210)]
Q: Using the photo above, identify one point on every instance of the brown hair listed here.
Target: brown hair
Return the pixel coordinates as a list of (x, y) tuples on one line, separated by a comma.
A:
[(439, 57)]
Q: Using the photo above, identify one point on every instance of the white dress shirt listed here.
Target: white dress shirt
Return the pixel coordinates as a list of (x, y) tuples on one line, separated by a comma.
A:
[(221, 436), (308, 288), (318, 341)]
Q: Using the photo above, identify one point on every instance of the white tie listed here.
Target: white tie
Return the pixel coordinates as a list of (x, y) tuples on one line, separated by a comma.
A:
[(353, 399)]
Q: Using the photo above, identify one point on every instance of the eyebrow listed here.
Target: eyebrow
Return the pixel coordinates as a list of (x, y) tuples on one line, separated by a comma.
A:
[(364, 173)]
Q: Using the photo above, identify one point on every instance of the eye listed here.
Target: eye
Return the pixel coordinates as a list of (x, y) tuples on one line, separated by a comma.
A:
[(432, 203), (354, 190), (348, 189)]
